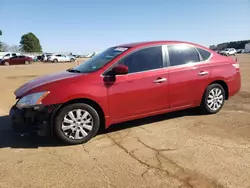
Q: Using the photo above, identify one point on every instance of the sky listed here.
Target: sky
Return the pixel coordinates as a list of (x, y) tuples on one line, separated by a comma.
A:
[(84, 26)]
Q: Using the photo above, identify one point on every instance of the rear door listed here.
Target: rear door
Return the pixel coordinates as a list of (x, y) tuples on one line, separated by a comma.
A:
[(188, 75), (21, 59), (144, 90)]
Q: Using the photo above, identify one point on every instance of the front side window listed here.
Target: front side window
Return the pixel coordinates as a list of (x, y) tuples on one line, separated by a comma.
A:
[(58, 55), (100, 60), (181, 54), (144, 59)]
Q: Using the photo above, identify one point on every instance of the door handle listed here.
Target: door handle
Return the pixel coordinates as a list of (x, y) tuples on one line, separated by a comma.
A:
[(160, 80), (202, 73)]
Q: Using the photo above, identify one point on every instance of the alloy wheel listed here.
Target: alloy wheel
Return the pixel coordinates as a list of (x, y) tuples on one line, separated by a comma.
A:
[(77, 124), (215, 99)]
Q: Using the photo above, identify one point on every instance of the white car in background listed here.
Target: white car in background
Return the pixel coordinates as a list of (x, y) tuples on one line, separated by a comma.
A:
[(228, 51), (61, 58), (7, 55)]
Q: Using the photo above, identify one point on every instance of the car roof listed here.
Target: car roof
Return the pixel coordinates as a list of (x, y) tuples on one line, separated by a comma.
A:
[(149, 43)]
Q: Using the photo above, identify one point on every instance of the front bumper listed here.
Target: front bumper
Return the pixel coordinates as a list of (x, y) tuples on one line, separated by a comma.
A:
[(36, 120)]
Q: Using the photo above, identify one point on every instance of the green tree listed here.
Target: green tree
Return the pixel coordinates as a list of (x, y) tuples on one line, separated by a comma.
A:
[(233, 44), (0, 41), (30, 43)]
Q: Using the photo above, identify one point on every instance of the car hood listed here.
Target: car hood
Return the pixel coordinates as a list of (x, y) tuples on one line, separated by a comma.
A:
[(44, 80)]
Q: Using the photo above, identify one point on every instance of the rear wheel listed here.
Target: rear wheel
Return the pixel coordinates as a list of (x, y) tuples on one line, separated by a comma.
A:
[(213, 99), (6, 63), (72, 60), (55, 61), (77, 123), (27, 62)]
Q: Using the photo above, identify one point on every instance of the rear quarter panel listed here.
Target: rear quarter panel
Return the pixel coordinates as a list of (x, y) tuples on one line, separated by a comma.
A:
[(223, 70)]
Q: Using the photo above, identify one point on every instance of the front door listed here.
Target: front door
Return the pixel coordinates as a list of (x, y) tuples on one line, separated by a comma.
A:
[(188, 76), (13, 60), (145, 89)]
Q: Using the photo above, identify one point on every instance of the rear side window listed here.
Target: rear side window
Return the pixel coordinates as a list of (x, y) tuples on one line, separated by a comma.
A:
[(204, 54), (181, 54)]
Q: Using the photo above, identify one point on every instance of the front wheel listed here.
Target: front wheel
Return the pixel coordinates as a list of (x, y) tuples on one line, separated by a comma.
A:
[(213, 99), (72, 60), (77, 123), (55, 61)]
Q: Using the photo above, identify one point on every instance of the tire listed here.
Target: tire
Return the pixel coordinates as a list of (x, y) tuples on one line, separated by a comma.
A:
[(6, 63), (69, 136), (210, 105), (55, 60), (72, 60), (27, 62)]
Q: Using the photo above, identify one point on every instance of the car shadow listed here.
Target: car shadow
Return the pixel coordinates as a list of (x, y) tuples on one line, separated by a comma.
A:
[(9, 140)]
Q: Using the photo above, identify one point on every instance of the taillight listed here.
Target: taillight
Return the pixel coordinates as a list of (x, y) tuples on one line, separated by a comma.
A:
[(236, 64)]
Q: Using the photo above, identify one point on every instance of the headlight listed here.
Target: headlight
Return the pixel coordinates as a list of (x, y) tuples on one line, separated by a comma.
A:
[(31, 100)]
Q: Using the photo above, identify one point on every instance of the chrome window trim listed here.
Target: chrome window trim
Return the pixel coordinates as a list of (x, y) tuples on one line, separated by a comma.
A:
[(188, 64)]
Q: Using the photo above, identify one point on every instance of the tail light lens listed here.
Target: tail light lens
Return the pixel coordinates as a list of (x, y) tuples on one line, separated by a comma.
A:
[(236, 64)]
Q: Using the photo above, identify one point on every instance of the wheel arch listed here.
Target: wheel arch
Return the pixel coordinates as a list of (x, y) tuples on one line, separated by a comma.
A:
[(223, 84), (90, 102)]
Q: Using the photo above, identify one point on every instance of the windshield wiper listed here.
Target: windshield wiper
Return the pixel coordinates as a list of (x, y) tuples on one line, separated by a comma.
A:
[(73, 70)]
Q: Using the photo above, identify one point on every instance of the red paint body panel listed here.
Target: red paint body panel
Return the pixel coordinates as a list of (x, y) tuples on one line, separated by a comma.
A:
[(137, 95)]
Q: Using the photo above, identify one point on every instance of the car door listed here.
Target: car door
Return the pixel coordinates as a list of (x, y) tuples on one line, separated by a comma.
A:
[(66, 58), (21, 60), (59, 57), (144, 89), (188, 75), (12, 60)]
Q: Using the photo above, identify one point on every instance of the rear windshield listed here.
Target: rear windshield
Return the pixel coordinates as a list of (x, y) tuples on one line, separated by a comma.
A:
[(100, 60)]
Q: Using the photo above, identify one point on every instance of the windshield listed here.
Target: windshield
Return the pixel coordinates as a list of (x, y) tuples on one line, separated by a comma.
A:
[(98, 61)]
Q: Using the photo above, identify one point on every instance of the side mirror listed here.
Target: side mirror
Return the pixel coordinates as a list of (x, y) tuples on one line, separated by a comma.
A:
[(119, 70)]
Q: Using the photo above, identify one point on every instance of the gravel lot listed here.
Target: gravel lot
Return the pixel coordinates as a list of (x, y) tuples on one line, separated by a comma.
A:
[(181, 149)]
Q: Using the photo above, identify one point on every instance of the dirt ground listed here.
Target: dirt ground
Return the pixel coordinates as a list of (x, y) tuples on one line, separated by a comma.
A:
[(181, 149)]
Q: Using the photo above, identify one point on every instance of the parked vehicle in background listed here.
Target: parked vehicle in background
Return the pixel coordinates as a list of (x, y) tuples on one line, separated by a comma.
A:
[(45, 56), (72, 57), (247, 48), (91, 54), (228, 51), (39, 58), (17, 60), (123, 83), (61, 58), (7, 55), (240, 51)]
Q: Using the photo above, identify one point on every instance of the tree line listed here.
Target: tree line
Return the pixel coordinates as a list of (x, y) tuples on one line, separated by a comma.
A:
[(28, 43), (233, 44)]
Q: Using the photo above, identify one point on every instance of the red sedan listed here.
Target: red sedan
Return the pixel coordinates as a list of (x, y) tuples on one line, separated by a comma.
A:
[(17, 60), (123, 83)]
